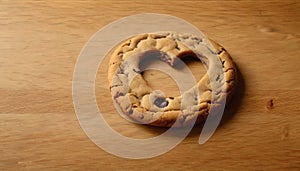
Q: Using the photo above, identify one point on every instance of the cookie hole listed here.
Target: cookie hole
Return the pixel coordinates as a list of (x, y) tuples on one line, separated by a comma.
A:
[(172, 98), (196, 66), (161, 102), (159, 80)]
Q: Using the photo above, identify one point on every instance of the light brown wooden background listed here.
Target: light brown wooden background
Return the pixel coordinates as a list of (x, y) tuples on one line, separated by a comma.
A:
[(39, 45)]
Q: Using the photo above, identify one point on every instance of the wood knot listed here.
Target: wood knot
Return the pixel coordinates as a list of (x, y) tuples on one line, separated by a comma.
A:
[(270, 104)]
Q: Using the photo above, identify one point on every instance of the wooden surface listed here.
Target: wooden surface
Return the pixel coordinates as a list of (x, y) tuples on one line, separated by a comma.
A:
[(40, 42)]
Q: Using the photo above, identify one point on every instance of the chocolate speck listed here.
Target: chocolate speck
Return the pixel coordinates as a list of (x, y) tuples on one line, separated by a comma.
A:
[(218, 78), (130, 111)]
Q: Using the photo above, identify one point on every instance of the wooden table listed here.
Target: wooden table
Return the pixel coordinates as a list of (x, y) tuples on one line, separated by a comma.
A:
[(40, 42)]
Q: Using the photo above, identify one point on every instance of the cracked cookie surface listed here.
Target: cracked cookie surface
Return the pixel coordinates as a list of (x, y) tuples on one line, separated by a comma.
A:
[(140, 103)]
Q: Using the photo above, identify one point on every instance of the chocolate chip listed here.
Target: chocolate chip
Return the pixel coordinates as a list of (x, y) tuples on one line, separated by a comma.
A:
[(161, 102), (218, 78), (130, 111), (118, 94)]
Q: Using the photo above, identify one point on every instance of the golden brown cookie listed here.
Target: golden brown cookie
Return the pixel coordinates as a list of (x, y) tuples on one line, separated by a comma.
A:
[(141, 103)]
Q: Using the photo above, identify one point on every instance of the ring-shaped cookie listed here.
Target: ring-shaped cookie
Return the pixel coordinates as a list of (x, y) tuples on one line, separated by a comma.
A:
[(139, 102)]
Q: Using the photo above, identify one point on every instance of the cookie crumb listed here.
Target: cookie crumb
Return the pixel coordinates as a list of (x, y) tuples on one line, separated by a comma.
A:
[(270, 104)]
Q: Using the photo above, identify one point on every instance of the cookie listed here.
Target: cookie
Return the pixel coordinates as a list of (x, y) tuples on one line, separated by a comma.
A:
[(140, 103)]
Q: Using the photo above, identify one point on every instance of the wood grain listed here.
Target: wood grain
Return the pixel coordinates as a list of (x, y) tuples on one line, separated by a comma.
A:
[(41, 40)]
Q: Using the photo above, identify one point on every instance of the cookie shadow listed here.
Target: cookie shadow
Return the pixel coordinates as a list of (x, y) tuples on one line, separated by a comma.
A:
[(236, 101), (231, 108), (230, 111)]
